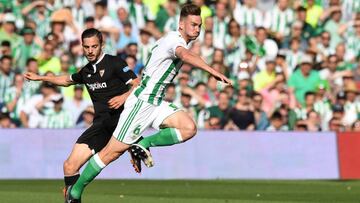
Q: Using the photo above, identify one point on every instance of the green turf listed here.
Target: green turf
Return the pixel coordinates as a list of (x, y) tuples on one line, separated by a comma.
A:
[(185, 191)]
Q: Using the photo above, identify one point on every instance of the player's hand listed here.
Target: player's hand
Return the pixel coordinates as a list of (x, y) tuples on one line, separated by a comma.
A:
[(32, 76), (117, 101), (223, 78)]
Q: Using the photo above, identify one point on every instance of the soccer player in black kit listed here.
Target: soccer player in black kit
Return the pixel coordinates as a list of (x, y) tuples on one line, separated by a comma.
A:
[(109, 81)]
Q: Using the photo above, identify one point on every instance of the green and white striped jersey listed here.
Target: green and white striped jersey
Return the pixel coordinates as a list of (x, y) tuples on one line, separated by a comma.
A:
[(247, 17), (161, 68), (10, 95), (279, 21), (61, 119), (5, 83)]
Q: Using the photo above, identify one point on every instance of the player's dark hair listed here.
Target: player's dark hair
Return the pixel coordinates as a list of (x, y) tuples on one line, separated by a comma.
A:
[(90, 33), (190, 9)]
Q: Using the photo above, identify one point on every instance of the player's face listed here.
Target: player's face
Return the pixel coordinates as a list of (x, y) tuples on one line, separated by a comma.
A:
[(92, 48), (192, 26)]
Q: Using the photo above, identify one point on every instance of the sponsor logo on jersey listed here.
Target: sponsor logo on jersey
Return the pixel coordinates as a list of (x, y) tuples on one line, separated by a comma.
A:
[(97, 85), (126, 69), (102, 72)]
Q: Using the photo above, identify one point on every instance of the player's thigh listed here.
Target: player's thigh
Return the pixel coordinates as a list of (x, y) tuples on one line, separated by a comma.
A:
[(135, 118), (78, 156), (169, 116)]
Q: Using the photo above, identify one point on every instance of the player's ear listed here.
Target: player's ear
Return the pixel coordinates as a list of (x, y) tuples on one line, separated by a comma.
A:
[(181, 24)]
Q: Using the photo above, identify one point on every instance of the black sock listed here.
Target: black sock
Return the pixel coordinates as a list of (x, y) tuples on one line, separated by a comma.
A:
[(71, 180)]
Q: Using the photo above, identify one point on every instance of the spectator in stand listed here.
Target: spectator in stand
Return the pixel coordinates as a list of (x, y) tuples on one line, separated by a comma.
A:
[(296, 32), (344, 58), (332, 26), (207, 48), (356, 126), (145, 45), (8, 30), (125, 38), (324, 50), (313, 121), (47, 60), (221, 21), (248, 16), (216, 115), (27, 49), (261, 46), (313, 13), (40, 12), (57, 116), (302, 111), (352, 106), (294, 55), (170, 93), (5, 48), (278, 19), (335, 125), (234, 45), (103, 21), (5, 121), (261, 119), (30, 113), (15, 97), (140, 13), (86, 118), (6, 75), (329, 73), (276, 123), (77, 103), (172, 21), (307, 29), (188, 108), (265, 77), (241, 116), (304, 79)]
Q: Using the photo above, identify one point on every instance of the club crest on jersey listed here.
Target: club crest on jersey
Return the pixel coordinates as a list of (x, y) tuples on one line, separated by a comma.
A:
[(126, 69), (97, 85), (102, 72)]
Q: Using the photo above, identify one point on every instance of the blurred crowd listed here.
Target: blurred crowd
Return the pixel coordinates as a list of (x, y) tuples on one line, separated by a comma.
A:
[(294, 63)]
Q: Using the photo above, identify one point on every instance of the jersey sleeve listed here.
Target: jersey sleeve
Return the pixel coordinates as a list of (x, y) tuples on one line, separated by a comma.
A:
[(77, 77), (124, 72), (174, 43)]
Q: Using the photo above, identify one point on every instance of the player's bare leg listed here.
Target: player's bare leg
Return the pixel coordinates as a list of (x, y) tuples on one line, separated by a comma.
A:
[(79, 155), (113, 150)]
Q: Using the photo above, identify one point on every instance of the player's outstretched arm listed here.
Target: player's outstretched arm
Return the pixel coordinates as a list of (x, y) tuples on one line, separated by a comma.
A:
[(62, 80), (195, 60)]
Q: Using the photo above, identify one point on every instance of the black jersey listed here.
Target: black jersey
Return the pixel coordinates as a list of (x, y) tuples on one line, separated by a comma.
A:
[(104, 80)]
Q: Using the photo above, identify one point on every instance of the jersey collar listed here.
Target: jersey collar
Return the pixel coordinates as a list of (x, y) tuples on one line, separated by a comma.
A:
[(98, 61)]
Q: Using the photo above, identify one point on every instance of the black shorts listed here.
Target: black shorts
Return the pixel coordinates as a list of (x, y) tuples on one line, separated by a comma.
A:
[(98, 135)]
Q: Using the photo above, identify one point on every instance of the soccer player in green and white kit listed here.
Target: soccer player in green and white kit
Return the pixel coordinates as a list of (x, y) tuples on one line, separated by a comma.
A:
[(145, 106)]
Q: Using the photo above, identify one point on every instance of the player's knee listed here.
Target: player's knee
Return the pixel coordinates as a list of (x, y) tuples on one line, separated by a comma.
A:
[(70, 167), (189, 131)]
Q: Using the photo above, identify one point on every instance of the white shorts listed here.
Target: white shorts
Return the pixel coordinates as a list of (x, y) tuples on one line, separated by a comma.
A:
[(138, 115)]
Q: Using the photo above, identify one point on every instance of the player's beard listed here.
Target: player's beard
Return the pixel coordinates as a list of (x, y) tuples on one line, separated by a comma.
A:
[(94, 57)]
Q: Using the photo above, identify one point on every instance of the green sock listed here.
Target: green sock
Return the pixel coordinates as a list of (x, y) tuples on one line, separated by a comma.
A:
[(92, 169), (165, 137)]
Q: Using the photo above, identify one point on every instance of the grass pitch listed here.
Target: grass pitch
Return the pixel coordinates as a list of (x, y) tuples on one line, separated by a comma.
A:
[(184, 191)]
